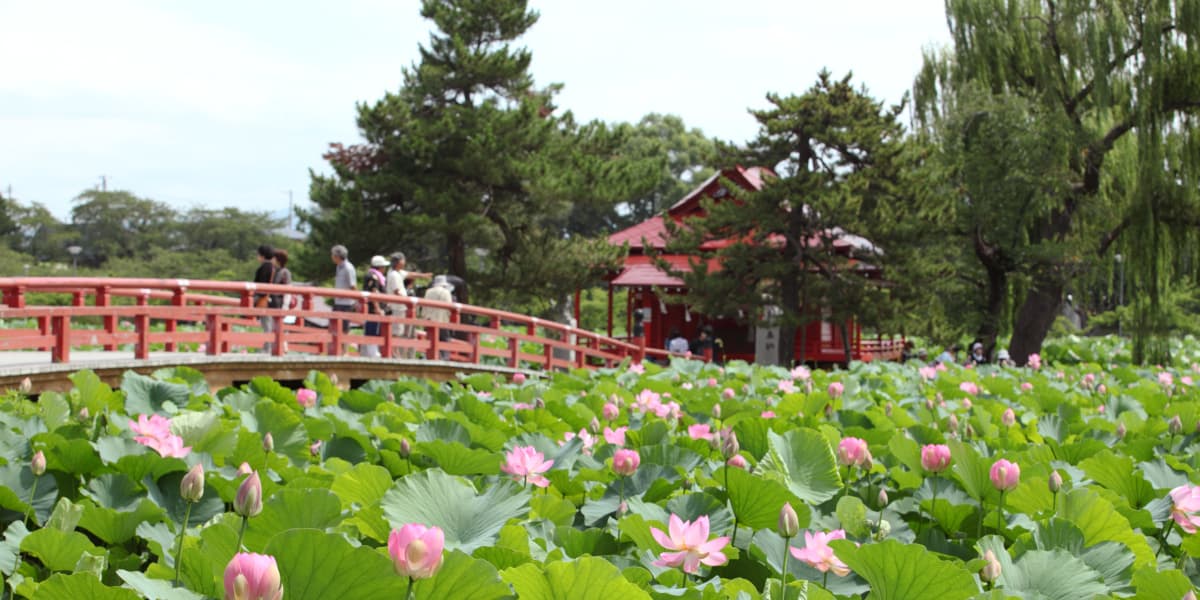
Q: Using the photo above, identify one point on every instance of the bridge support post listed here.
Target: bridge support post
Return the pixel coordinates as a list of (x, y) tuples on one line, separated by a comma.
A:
[(177, 299), (61, 352), (214, 325), (14, 297), (141, 324), (277, 346), (104, 298), (385, 349), (434, 333), (335, 334)]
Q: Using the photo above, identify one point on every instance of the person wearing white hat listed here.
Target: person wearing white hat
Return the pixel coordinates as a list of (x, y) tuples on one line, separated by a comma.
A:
[(440, 291), (376, 283)]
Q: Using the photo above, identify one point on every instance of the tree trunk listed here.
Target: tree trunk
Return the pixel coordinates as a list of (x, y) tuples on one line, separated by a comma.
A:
[(1035, 317), (846, 342), (997, 292), (456, 248)]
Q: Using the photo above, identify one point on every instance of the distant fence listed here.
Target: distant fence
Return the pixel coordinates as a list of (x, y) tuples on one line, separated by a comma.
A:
[(60, 314)]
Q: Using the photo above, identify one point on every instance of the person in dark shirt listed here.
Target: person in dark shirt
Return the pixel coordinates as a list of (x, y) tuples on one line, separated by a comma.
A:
[(265, 274), (702, 346)]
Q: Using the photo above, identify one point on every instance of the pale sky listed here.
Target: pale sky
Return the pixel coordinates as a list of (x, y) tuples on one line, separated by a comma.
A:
[(230, 103)]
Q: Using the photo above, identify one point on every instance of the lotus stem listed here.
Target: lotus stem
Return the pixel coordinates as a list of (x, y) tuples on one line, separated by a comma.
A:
[(32, 496), (241, 532), (408, 594), (786, 552), (187, 516)]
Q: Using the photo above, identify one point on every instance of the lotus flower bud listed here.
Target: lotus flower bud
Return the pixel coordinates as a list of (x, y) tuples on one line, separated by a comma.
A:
[(248, 502), (416, 550), (268, 443), (622, 509), (594, 426), (729, 444), (1055, 482), (314, 449), (883, 498), (952, 423), (26, 385), (539, 403), (38, 464), (626, 462), (716, 411), (1121, 430), (991, 571), (829, 411), (192, 486), (1009, 418), (738, 461), (929, 404), (244, 469), (306, 397), (333, 378), (405, 448), (789, 522), (518, 378), (968, 432), (1175, 425), (84, 415), (252, 577), (887, 409)]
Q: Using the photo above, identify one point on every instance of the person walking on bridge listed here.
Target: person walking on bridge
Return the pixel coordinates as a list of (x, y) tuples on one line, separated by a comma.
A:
[(344, 278), (440, 291), (265, 274)]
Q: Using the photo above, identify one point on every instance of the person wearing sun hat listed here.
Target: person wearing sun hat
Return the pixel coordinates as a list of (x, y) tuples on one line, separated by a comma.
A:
[(376, 283)]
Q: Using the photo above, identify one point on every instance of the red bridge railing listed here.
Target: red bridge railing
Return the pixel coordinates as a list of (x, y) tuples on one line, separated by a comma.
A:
[(60, 314)]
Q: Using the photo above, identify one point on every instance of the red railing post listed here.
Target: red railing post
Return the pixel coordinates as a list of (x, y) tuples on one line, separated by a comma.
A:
[(434, 334), (214, 324), (335, 336), (104, 298), (178, 299), (14, 296), (61, 352), (44, 327), (141, 324), (385, 350), (277, 347)]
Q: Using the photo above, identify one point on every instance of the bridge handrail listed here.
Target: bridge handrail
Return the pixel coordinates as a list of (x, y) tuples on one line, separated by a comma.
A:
[(237, 303)]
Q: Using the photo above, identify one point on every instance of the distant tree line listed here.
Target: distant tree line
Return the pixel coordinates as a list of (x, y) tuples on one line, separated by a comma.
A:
[(119, 234)]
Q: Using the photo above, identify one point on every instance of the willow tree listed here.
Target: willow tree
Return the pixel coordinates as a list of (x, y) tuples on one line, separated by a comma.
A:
[(1120, 77)]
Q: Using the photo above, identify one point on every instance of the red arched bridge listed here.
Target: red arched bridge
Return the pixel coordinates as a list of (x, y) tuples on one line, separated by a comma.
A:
[(54, 325)]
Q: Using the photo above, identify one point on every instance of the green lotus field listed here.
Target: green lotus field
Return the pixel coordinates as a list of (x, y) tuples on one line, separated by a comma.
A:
[(1072, 480)]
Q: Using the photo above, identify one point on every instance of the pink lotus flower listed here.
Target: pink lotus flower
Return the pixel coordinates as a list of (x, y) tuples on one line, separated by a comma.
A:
[(526, 464), (690, 544), (168, 447), (817, 553), (1185, 380), (935, 458), (969, 387), (801, 372), (38, 463), (154, 426), (244, 469), (1185, 507), (250, 576), (610, 411), (700, 431), (306, 398), (738, 461), (928, 373), (416, 550), (1026, 386), (728, 393), (1005, 475), (518, 378), (787, 386), (687, 385), (626, 462), (767, 414), (853, 451), (588, 440), (637, 368), (522, 406), (248, 501), (616, 436), (712, 382), (1034, 361), (836, 389), (1100, 409), (1102, 389), (1089, 379), (941, 367), (1165, 379), (966, 403), (315, 448)]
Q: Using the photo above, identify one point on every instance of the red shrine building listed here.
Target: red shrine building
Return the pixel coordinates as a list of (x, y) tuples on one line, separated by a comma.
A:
[(650, 289)]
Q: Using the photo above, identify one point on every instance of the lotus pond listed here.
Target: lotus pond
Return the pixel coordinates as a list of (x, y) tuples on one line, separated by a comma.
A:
[(889, 481)]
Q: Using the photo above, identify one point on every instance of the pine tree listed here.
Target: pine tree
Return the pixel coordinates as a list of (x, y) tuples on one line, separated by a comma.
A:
[(835, 152)]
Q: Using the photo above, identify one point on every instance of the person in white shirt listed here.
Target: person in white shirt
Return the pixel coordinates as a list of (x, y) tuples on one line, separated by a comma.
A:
[(397, 278)]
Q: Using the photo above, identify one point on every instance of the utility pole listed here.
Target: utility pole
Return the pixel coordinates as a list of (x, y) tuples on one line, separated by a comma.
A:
[(104, 183), (290, 211)]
